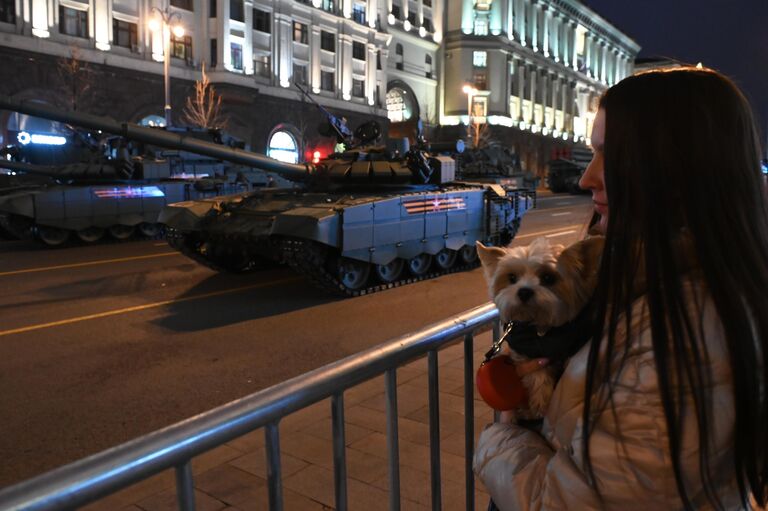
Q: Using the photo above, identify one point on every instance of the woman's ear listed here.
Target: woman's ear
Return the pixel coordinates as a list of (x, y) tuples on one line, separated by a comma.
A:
[(489, 259)]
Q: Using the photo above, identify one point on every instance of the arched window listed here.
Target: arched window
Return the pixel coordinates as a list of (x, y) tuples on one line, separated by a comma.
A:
[(152, 120), (400, 106), (428, 60), (283, 147), (399, 49)]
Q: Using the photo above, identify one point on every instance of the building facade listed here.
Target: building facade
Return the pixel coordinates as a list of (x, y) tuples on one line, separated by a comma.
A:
[(535, 65)]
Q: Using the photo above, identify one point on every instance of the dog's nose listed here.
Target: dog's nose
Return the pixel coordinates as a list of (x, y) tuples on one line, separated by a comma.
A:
[(525, 294)]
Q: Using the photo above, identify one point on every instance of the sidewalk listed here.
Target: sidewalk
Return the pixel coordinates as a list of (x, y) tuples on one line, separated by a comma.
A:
[(233, 476)]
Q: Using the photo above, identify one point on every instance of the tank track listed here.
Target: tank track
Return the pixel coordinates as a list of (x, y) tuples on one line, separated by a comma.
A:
[(308, 259), (178, 241)]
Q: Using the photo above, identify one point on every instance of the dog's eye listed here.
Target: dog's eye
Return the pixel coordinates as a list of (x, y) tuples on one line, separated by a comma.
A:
[(512, 278), (547, 279)]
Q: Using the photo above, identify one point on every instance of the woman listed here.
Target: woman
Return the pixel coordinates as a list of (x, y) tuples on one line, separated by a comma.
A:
[(667, 407)]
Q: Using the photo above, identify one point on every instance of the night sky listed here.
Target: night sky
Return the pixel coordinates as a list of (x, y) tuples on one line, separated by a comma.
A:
[(730, 36)]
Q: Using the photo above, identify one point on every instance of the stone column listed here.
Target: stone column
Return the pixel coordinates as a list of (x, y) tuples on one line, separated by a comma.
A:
[(603, 62), (344, 65), (533, 25), (346, 8), (370, 73), (40, 22), (555, 35), (588, 54), (565, 42), (225, 54), (314, 59), (248, 42), (495, 24), (283, 65), (371, 12), (574, 55), (520, 18), (547, 30), (102, 23)]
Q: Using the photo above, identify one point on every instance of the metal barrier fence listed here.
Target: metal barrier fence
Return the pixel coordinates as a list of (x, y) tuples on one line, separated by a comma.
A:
[(97, 476)]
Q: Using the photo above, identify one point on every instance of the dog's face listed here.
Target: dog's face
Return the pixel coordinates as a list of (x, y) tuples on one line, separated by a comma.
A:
[(542, 283)]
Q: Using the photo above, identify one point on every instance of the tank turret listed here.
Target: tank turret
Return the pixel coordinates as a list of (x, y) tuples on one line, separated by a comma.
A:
[(361, 220)]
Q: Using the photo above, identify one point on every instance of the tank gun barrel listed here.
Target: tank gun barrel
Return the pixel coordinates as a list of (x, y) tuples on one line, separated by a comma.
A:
[(180, 141)]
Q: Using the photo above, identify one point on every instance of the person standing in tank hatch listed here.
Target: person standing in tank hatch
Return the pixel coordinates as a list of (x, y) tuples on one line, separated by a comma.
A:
[(667, 406)]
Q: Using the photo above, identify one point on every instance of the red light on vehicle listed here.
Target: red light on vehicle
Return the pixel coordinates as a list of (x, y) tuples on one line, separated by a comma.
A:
[(316, 157)]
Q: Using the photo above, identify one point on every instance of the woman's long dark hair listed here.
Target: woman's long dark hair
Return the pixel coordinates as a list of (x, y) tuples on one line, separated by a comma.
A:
[(681, 159)]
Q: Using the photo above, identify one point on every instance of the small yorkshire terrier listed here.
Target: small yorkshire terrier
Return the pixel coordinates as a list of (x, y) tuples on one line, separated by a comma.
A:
[(545, 285)]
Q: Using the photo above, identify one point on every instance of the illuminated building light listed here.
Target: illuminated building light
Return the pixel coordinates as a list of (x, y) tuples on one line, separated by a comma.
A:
[(588, 141), (316, 157), (316, 90), (545, 131), (285, 83), (40, 32), (131, 192), (521, 125), (346, 95), (452, 120), (565, 136), (391, 19), (25, 138), (371, 101), (317, 3), (437, 37), (556, 133), (422, 32), (535, 129), (103, 46), (372, 23), (407, 25), (501, 120)]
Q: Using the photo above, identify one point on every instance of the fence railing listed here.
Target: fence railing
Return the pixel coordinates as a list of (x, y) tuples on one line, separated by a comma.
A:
[(102, 474)]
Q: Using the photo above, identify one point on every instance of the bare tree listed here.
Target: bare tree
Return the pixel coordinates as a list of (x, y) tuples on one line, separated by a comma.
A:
[(481, 135), (203, 109), (76, 78)]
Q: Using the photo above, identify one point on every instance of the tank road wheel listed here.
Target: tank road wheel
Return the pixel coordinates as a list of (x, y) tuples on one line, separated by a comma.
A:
[(468, 254), (52, 236), (121, 232), (230, 257), (90, 234), (419, 265), (390, 272), (150, 230), (353, 274), (445, 258)]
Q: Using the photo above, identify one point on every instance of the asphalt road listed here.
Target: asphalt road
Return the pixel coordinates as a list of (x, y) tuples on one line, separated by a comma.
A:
[(104, 343)]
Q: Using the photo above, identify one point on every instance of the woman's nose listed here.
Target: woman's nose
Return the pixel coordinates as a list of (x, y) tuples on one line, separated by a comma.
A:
[(592, 177)]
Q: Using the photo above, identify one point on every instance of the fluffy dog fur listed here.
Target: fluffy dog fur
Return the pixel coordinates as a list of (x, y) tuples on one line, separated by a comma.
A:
[(543, 284)]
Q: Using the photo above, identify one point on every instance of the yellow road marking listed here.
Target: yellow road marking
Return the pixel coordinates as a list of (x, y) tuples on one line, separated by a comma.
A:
[(141, 307), (89, 263), (551, 231)]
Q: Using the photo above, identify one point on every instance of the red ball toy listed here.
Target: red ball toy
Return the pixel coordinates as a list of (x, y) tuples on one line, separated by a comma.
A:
[(499, 385)]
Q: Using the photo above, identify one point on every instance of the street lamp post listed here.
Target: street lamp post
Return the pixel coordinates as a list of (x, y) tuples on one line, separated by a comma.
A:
[(168, 24)]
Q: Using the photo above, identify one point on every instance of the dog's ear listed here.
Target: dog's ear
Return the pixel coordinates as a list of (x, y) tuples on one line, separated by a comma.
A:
[(489, 258), (582, 259)]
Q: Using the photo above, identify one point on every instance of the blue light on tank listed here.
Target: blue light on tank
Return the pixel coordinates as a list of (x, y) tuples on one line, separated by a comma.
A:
[(25, 138), (130, 192)]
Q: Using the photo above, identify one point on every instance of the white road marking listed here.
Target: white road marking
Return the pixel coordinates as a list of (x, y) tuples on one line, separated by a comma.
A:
[(563, 233), (563, 213), (549, 231)]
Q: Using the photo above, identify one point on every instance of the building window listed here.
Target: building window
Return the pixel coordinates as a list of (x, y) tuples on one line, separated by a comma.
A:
[(427, 24), (236, 11), (358, 13), (327, 41), (396, 11), (378, 60), (481, 26), (300, 74), (358, 88), (412, 18), (236, 55), (480, 79), (326, 81), (358, 50), (125, 34), (261, 21), (427, 3), (399, 57), (181, 47), (8, 11), (283, 147), (183, 4), (73, 22), (329, 6), (300, 33), (212, 8), (428, 66), (214, 53), (480, 58), (261, 65)]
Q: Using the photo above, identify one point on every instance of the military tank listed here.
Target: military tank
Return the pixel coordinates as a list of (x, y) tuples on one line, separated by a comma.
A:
[(498, 164), (96, 185), (566, 168), (361, 220)]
